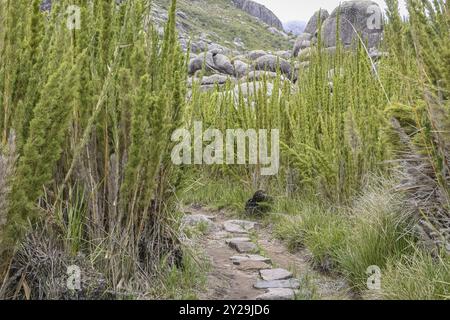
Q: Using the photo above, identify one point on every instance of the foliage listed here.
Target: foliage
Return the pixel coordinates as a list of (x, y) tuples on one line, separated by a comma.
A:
[(93, 110)]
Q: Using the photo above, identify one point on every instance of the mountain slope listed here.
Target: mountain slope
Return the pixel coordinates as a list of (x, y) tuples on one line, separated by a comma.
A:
[(222, 22), (259, 11), (236, 24)]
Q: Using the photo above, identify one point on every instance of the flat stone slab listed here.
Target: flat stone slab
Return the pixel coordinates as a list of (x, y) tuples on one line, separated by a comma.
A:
[(239, 226), (250, 265), (219, 235), (243, 246), (277, 294), (275, 274), (194, 220), (238, 259), (288, 284), (240, 239)]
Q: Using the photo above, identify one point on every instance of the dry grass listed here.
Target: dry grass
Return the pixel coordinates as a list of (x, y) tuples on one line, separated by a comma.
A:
[(39, 270)]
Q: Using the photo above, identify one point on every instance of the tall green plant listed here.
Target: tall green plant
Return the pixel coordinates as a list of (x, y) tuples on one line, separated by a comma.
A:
[(420, 115), (94, 115)]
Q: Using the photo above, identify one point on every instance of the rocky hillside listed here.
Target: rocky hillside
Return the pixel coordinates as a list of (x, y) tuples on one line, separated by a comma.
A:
[(238, 25), (216, 65), (234, 24), (259, 11)]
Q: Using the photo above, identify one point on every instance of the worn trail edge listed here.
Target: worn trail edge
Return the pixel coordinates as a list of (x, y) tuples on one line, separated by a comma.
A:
[(247, 263)]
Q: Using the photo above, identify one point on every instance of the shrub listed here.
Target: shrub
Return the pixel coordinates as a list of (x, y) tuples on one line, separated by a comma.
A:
[(93, 110), (380, 230), (416, 277), (323, 232)]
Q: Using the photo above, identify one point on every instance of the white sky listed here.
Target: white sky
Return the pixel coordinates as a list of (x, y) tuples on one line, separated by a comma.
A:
[(288, 10)]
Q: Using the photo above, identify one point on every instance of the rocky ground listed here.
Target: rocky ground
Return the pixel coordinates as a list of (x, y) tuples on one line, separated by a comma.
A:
[(247, 263)]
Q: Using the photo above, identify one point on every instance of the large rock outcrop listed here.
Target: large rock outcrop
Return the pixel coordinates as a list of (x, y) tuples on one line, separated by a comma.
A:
[(272, 63), (358, 18), (305, 39), (313, 23), (259, 11), (364, 16), (212, 61)]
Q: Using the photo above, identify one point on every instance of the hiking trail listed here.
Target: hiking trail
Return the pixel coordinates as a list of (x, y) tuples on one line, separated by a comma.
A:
[(248, 263)]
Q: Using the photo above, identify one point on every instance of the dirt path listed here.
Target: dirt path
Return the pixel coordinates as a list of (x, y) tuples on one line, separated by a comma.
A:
[(235, 280)]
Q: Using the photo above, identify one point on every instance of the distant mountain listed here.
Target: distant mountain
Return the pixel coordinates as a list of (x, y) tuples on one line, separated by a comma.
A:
[(296, 27)]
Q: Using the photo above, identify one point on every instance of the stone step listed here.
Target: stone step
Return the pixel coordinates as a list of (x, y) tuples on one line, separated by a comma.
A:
[(242, 246), (239, 226), (240, 239), (289, 284), (250, 265), (194, 220), (249, 257), (277, 294), (275, 274)]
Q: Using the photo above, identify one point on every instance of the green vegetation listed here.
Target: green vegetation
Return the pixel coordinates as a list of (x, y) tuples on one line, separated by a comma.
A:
[(91, 111), (417, 277), (379, 231), (364, 177), (364, 163)]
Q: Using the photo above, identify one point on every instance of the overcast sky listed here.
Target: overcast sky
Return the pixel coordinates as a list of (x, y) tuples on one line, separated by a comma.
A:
[(288, 10)]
